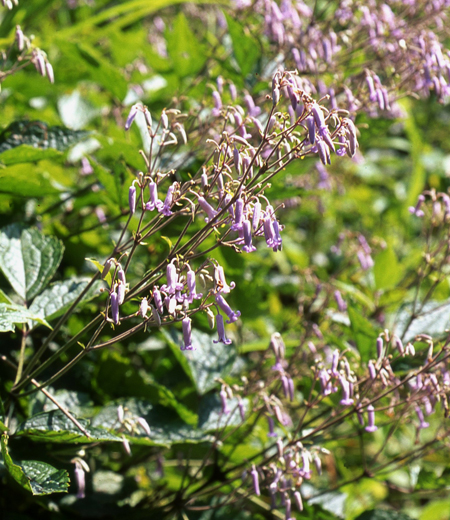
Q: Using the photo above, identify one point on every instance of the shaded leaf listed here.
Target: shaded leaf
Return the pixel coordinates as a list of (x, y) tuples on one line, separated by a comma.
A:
[(206, 363), (11, 314), (38, 134), (28, 259), (433, 320), (383, 514), (210, 416), (37, 477), (166, 427), (60, 295), (54, 426)]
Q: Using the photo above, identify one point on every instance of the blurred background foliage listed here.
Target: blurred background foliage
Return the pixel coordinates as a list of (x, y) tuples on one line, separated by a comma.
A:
[(106, 56)]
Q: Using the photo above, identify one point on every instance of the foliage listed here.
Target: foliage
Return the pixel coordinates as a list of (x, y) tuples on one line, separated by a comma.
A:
[(158, 147)]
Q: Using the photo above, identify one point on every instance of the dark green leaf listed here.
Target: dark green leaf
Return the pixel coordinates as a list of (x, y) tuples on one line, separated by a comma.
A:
[(37, 477), (39, 135), (54, 426), (207, 362), (28, 259), (210, 416), (166, 427), (11, 313)]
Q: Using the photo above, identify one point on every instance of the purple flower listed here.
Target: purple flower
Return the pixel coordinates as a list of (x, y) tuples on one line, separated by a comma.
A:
[(80, 480), (120, 293), (154, 202), (298, 500), (248, 247), (255, 479), (223, 399), (207, 208), (269, 234), (371, 420), (334, 363), (187, 334), (271, 427), (172, 280), (168, 202), (311, 129), (20, 38), (131, 116), (346, 400), (372, 371), (379, 347), (277, 240), (416, 210), (86, 168), (342, 306), (158, 300), (422, 422), (191, 285), (171, 304), (221, 283), (217, 103), (115, 307), (221, 331), (256, 215), (143, 308), (239, 215), (232, 316)]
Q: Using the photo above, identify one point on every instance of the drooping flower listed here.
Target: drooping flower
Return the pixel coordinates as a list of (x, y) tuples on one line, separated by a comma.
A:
[(248, 247), (131, 116), (221, 331), (187, 334), (232, 315), (371, 420), (191, 285), (154, 202)]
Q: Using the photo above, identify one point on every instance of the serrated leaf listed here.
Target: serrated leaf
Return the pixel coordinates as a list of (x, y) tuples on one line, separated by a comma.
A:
[(165, 426), (210, 416), (245, 48), (37, 477), (28, 259), (54, 426), (206, 363), (38, 134), (11, 314), (54, 300)]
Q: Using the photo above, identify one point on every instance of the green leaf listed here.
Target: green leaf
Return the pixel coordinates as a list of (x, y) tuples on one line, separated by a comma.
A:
[(166, 427), (210, 416), (11, 313), (26, 154), (387, 270), (28, 259), (383, 514), (434, 319), (207, 362), (37, 477), (100, 268), (54, 426), (38, 135), (246, 49), (117, 377), (187, 53), (54, 300), (21, 180), (102, 71), (363, 333)]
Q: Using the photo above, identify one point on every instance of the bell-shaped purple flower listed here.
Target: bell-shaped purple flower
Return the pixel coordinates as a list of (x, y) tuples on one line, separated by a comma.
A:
[(256, 215), (232, 315), (224, 401), (221, 283), (217, 103), (207, 208), (80, 480), (248, 247), (277, 240), (346, 399), (168, 202), (171, 303), (371, 420), (132, 198), (115, 307), (158, 300), (191, 285), (255, 479), (269, 234), (221, 331), (131, 116), (172, 280), (154, 202), (187, 334), (239, 215)]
